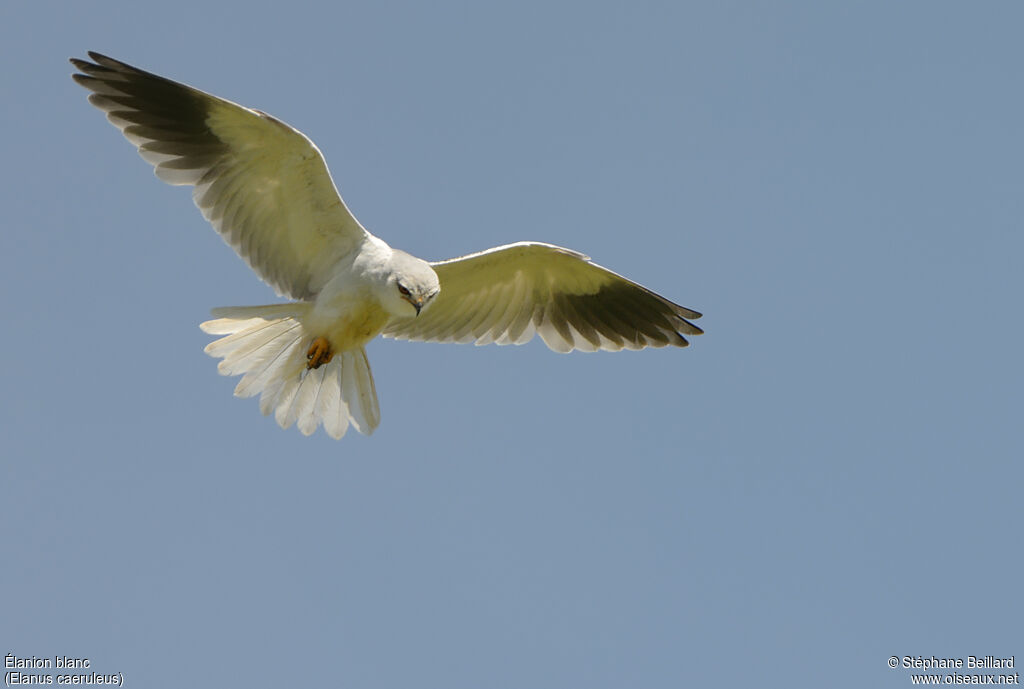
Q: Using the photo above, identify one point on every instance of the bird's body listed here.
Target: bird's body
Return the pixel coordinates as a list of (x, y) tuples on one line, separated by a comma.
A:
[(351, 309), (265, 188)]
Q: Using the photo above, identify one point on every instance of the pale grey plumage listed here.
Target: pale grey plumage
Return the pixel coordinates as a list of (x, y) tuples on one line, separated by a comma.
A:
[(265, 188)]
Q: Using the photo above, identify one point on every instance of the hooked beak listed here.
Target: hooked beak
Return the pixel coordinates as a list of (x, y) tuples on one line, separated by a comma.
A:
[(419, 302)]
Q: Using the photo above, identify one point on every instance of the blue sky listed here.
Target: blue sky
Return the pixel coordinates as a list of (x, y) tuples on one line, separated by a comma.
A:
[(829, 477)]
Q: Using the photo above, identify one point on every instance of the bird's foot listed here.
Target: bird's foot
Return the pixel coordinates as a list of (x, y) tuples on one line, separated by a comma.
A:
[(319, 353)]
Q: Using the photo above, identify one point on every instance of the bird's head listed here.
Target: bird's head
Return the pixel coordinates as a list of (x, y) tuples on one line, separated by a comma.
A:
[(411, 285)]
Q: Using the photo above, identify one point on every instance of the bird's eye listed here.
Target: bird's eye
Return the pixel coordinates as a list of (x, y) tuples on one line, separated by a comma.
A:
[(402, 288)]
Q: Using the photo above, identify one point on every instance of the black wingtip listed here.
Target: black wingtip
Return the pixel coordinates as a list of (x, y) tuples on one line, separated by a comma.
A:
[(81, 76), (99, 61), (93, 55)]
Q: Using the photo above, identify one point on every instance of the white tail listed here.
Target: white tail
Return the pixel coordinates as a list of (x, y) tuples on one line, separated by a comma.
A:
[(268, 344)]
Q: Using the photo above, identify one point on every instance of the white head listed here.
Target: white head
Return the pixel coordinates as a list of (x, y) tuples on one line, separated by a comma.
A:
[(410, 285)]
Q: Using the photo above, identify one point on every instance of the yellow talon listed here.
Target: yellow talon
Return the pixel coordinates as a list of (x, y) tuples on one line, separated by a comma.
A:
[(319, 353)]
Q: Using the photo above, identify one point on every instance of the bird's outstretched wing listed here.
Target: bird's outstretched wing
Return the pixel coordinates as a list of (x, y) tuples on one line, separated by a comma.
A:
[(508, 294), (263, 185)]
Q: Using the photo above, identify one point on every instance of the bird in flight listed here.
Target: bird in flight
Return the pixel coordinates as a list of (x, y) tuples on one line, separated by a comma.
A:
[(265, 188)]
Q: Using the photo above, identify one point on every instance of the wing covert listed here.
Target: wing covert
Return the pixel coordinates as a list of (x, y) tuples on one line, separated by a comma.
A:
[(263, 185), (508, 294)]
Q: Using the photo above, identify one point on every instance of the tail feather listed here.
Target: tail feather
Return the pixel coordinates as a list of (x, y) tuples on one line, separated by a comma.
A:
[(267, 346), (361, 390), (295, 309), (262, 378), (283, 406), (253, 352), (223, 326), (330, 407), (303, 411)]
